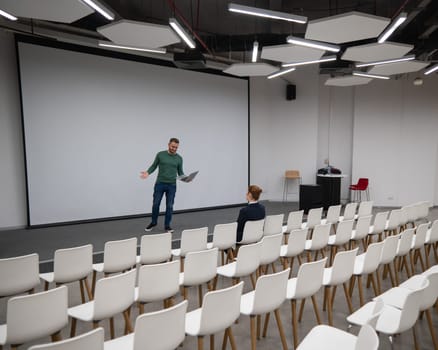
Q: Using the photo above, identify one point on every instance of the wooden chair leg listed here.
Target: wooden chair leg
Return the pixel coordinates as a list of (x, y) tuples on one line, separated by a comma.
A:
[(265, 325), (93, 283), (200, 343), (415, 337), (211, 341), (324, 303), (329, 307), (232, 341), (200, 295), (294, 322), (252, 281), (333, 294), (81, 286), (315, 309), (73, 328), (87, 288), (56, 336), (359, 284), (111, 322), (128, 324), (347, 296), (280, 329), (431, 329), (46, 285), (259, 321), (300, 316), (253, 332)]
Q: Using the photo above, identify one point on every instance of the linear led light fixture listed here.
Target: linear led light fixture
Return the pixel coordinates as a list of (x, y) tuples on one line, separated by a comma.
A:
[(8, 15), (395, 60), (115, 46), (324, 59), (392, 27), (255, 50), (254, 11), (182, 33), (431, 69), (313, 44), (374, 76), (280, 72), (98, 7)]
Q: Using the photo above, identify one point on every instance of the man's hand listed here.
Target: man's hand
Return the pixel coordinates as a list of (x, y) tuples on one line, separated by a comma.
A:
[(144, 175)]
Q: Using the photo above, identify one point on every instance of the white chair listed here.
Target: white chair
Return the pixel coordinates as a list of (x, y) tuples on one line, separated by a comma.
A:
[(423, 210), (269, 294), (224, 239), (30, 317), (155, 248), (340, 272), (252, 232), (92, 340), (220, 309), (294, 222), (404, 218), (333, 215), (430, 298), (200, 267), (432, 242), (273, 225), (387, 257), (418, 243), (360, 233), (157, 282), (366, 264), (313, 218), (340, 238), (330, 338), (411, 214), (365, 208), (319, 240), (270, 252), (378, 226), (19, 275), (393, 222), (403, 249), (294, 247), (70, 265), (118, 256), (159, 330), (192, 240), (113, 295), (307, 283), (349, 212)]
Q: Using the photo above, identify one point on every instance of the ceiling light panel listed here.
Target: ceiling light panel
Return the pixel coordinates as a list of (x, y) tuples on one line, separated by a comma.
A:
[(431, 69), (8, 15), (255, 11), (182, 33), (347, 81), (280, 72), (121, 47), (376, 52), (250, 69), (385, 62), (372, 76), (290, 53), (312, 44), (398, 68), (321, 60), (392, 27)]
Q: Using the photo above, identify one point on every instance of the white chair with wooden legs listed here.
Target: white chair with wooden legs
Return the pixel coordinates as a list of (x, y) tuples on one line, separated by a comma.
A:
[(366, 264), (378, 226), (19, 275), (418, 244), (365, 209), (220, 309), (404, 219), (273, 225), (252, 232), (294, 247), (307, 283), (341, 237), (92, 340), (339, 274), (429, 299), (387, 258), (403, 250), (393, 222), (333, 215), (313, 218), (200, 267), (247, 262), (431, 242), (270, 253), (318, 242), (118, 256), (411, 215), (331, 338), (113, 295), (155, 248), (349, 212), (31, 317), (269, 294), (294, 222), (71, 265), (360, 232), (192, 240), (423, 210), (157, 282), (159, 330), (224, 239)]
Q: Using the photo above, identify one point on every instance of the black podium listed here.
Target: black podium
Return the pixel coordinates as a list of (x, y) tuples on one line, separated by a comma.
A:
[(331, 189), (311, 196)]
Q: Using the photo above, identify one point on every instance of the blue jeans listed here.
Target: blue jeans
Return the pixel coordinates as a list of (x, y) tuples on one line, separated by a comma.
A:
[(159, 190)]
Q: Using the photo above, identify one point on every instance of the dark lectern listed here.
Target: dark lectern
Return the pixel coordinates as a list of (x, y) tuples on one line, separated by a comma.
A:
[(331, 189), (310, 197)]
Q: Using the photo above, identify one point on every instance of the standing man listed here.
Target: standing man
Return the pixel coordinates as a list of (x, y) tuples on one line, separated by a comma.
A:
[(170, 165), (253, 211)]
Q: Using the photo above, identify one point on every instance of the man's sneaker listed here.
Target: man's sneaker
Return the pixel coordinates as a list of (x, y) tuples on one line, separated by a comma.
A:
[(169, 229), (150, 227)]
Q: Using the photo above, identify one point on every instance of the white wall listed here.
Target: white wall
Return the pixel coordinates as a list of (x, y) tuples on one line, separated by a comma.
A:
[(12, 181)]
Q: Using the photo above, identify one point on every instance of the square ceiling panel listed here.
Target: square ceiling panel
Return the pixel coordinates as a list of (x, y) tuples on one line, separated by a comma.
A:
[(250, 69), (64, 11), (376, 52), (140, 34), (398, 68), (349, 80), (350, 26), (290, 53)]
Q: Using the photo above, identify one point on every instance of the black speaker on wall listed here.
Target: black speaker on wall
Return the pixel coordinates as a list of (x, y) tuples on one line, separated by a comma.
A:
[(291, 92)]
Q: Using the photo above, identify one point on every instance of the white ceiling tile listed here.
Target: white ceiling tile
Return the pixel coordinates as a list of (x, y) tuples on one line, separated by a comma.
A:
[(141, 34), (349, 80), (398, 68), (376, 52), (290, 53), (350, 26), (250, 69), (64, 11)]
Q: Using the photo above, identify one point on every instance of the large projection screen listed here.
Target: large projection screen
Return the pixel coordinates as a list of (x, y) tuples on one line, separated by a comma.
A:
[(92, 123)]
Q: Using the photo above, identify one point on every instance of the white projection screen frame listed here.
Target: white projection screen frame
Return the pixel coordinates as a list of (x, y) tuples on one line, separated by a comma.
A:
[(91, 123)]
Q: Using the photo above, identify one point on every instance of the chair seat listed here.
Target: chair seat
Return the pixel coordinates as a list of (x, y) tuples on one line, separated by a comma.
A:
[(395, 297), (3, 332), (48, 277), (246, 303), (83, 312), (327, 338), (125, 342), (228, 270), (362, 315), (193, 322), (98, 267)]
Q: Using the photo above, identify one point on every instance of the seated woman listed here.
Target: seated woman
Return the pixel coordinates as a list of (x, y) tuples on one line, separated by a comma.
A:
[(253, 211)]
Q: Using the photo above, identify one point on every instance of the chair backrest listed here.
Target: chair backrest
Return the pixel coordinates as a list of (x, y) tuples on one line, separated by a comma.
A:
[(432, 235), (429, 294), (432, 275), (193, 240), (37, 315), (92, 340), (367, 339), (294, 220), (420, 235), (362, 226), (314, 217), (342, 268), (119, 255), (161, 330), (411, 212), (155, 248), (18, 274), (423, 209), (252, 231), (270, 248), (248, 259), (296, 242), (389, 249), (270, 292), (200, 267), (320, 236), (292, 174), (224, 235), (362, 184), (350, 211), (405, 242), (404, 216), (378, 305), (273, 224), (394, 219), (365, 208), (333, 213), (379, 223), (343, 232), (372, 257), (114, 294), (73, 264), (309, 278), (220, 308), (158, 281)]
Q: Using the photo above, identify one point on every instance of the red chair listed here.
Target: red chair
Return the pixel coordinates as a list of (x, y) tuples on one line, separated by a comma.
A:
[(362, 185)]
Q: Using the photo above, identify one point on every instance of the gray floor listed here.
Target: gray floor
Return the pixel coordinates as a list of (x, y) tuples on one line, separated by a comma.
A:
[(46, 240)]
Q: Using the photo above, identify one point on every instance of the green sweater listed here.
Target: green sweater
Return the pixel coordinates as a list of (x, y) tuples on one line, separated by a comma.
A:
[(169, 166)]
